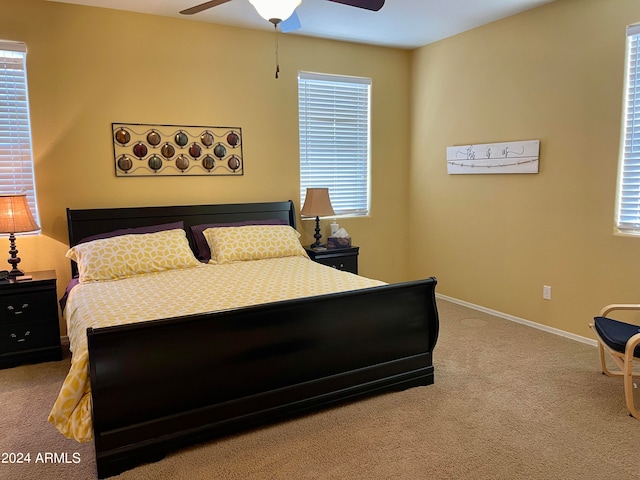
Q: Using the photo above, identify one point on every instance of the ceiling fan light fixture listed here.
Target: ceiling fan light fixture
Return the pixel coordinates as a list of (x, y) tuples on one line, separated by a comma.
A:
[(277, 10)]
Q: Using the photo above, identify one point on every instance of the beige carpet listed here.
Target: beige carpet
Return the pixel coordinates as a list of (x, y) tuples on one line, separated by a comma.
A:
[(509, 402)]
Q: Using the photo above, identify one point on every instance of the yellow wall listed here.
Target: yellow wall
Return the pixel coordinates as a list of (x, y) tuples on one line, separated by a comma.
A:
[(89, 67), (555, 74)]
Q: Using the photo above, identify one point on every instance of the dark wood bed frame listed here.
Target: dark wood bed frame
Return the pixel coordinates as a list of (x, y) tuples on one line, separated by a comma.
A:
[(164, 384)]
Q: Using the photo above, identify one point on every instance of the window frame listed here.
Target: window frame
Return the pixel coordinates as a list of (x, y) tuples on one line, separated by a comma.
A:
[(17, 169), (348, 200), (628, 190)]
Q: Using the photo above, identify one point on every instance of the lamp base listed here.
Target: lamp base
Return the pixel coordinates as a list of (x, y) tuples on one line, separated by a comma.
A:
[(317, 236), (14, 272), (13, 260)]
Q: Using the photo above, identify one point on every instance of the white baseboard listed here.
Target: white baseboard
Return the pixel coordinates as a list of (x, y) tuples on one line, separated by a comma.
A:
[(539, 326), (556, 331)]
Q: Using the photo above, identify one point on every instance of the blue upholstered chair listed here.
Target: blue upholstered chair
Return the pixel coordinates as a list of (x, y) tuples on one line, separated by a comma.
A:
[(622, 342)]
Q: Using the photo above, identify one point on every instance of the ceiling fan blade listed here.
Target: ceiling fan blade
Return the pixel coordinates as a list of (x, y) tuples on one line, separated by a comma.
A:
[(291, 24), (373, 5), (203, 6)]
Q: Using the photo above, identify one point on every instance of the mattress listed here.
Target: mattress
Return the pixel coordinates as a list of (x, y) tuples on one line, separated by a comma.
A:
[(166, 294)]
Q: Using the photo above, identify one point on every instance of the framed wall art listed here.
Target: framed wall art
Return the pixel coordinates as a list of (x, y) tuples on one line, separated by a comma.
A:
[(150, 150), (507, 157)]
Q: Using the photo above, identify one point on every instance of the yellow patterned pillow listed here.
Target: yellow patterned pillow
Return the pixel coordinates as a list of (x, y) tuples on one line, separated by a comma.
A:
[(129, 255), (252, 242)]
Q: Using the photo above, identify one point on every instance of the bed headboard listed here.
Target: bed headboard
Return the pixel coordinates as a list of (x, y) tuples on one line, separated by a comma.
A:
[(87, 222)]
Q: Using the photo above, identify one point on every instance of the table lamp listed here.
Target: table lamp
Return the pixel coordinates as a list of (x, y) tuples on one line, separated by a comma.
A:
[(15, 217), (317, 204)]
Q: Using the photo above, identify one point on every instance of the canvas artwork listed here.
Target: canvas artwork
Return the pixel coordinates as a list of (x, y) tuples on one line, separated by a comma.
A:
[(149, 150), (507, 157)]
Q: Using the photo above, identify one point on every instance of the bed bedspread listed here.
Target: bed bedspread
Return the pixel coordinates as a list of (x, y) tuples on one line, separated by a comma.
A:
[(152, 296)]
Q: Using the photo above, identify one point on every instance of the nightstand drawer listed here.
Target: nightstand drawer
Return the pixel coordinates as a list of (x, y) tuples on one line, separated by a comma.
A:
[(345, 259), (347, 264), (28, 307), (28, 335)]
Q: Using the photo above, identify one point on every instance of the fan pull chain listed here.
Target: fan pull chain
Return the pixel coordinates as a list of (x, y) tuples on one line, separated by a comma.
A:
[(275, 25)]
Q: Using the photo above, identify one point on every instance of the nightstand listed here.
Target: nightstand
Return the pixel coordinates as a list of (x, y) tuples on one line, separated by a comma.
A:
[(341, 258), (29, 328)]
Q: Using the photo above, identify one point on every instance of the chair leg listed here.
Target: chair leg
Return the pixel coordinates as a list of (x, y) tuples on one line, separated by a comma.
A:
[(603, 362), (629, 374), (628, 392), (603, 356)]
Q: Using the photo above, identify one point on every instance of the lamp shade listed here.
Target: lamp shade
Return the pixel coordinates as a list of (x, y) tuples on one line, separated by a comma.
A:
[(15, 215), (275, 9), (317, 203)]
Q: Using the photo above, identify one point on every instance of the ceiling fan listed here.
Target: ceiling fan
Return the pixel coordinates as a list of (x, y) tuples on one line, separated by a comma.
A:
[(282, 12)]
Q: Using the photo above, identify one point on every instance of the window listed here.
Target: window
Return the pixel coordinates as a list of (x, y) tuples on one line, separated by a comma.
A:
[(628, 198), (334, 139), (16, 163)]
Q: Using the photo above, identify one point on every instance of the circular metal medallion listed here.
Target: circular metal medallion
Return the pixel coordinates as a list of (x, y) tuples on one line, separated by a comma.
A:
[(122, 136), (140, 150), (208, 162), (153, 138), (167, 151), (182, 162), (207, 139), (195, 150), (233, 139), (219, 151), (124, 163), (155, 163), (234, 163), (181, 139)]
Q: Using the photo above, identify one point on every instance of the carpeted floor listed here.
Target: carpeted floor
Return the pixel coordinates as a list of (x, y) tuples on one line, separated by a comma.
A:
[(509, 402)]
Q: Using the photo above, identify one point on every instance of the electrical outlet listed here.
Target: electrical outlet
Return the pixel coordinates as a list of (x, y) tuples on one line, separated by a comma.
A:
[(546, 292)]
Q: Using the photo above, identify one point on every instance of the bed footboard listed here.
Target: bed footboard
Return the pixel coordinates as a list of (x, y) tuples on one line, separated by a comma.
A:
[(164, 384)]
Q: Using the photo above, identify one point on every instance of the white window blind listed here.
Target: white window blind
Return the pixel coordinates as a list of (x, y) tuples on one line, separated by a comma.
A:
[(628, 201), (16, 161), (334, 139)]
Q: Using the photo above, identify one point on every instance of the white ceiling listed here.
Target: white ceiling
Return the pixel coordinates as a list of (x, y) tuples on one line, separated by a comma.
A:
[(400, 23)]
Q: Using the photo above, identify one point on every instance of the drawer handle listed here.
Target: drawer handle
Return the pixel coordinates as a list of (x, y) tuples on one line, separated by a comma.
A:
[(24, 337), (11, 308)]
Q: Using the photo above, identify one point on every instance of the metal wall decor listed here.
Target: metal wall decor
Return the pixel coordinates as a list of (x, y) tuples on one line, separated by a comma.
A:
[(148, 150)]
